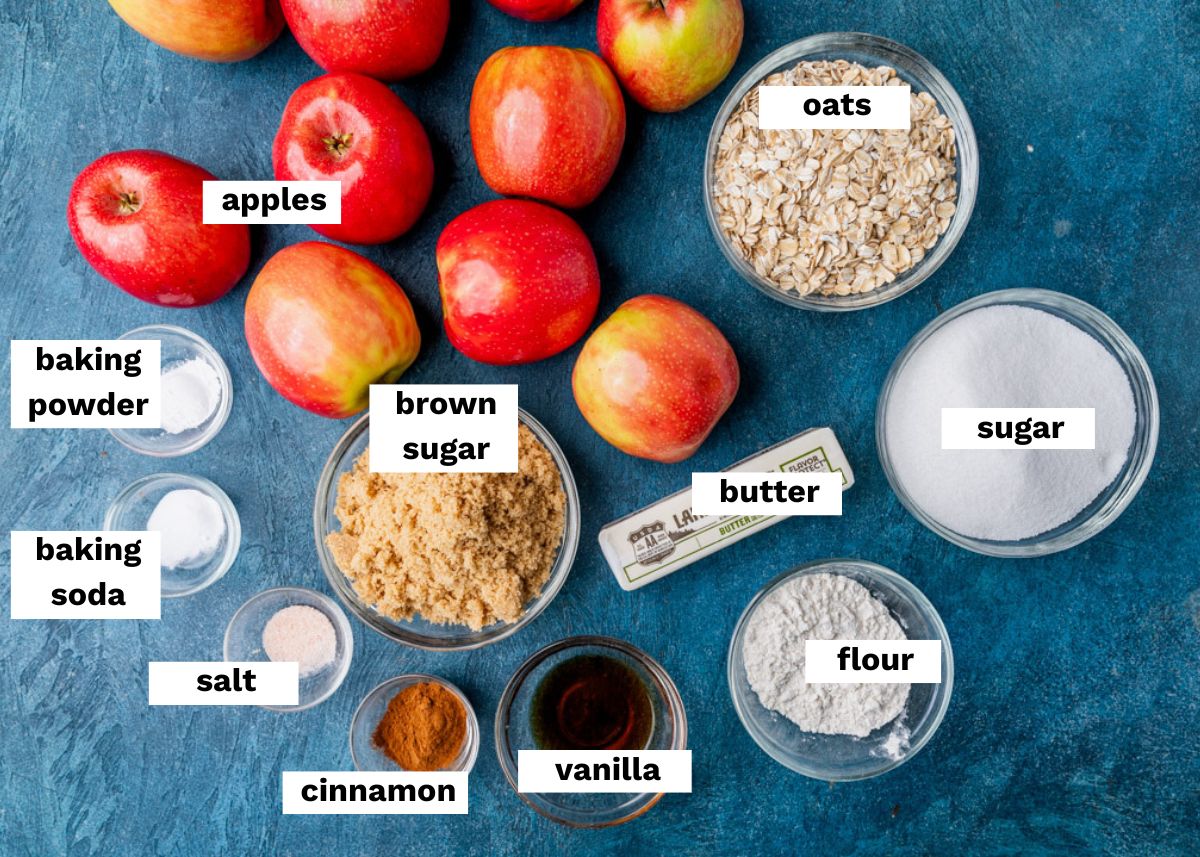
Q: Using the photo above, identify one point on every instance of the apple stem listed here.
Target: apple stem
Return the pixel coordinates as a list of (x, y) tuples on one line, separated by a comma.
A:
[(128, 202), (337, 144)]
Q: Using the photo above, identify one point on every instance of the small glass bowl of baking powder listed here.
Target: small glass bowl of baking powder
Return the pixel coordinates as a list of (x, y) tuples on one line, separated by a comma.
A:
[(1116, 497), (197, 394), (368, 757), (133, 508), (837, 758), (914, 70), (418, 632), (244, 640), (514, 728)]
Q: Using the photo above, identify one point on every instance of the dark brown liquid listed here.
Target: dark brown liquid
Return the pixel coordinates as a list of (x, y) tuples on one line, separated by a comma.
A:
[(591, 702)]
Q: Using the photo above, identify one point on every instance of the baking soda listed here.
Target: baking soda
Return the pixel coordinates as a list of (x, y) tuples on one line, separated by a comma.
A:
[(1007, 357), (192, 527)]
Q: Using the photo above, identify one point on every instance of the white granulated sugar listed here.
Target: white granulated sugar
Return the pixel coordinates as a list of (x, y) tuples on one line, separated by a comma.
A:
[(1007, 357), (820, 607), (191, 391), (192, 526)]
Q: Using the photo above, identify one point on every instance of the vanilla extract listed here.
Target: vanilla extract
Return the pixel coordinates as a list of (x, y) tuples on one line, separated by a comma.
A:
[(592, 702)]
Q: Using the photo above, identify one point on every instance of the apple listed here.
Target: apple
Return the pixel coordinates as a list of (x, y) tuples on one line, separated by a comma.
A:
[(548, 123), (353, 129), (323, 324), (536, 10), (386, 39), (518, 281), (654, 378), (670, 53), (137, 218), (215, 30)]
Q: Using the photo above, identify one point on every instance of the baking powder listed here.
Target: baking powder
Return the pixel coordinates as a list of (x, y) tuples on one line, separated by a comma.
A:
[(191, 391)]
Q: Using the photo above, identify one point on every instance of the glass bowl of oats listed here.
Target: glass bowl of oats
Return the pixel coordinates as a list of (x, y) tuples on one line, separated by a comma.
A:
[(835, 220), (447, 561)]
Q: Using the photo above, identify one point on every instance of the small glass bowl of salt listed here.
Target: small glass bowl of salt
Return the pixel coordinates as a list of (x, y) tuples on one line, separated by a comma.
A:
[(197, 394), (291, 623), (200, 528)]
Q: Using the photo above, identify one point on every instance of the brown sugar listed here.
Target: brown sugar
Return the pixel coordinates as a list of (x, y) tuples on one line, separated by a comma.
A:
[(423, 728), (457, 548)]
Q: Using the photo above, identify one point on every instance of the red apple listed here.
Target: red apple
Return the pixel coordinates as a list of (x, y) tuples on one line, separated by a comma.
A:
[(547, 122), (216, 30), (323, 324), (137, 217), (518, 279), (386, 39), (654, 378), (352, 129), (670, 53), (536, 10)]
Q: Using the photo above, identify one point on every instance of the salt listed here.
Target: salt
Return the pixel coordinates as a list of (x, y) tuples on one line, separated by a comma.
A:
[(192, 526), (191, 392), (1016, 357), (301, 634)]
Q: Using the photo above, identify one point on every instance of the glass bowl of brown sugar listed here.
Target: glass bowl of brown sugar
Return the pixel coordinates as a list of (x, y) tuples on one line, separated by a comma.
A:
[(417, 630), (384, 712)]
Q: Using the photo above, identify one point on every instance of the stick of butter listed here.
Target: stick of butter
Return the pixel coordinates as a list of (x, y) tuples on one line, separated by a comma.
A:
[(667, 536)]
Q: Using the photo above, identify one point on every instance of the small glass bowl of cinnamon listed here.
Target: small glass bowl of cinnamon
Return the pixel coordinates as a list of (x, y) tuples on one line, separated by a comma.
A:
[(380, 734)]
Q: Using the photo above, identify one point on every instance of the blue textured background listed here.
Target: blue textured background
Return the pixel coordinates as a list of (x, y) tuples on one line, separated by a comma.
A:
[(1077, 697)]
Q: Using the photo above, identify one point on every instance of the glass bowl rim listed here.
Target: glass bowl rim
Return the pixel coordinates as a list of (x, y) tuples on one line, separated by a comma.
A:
[(471, 741), (224, 406), (389, 628), (967, 164), (639, 803), (1124, 487), (233, 523), (332, 610), (876, 573)]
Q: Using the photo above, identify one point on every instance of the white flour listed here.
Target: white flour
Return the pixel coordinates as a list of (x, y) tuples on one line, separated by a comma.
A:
[(820, 607)]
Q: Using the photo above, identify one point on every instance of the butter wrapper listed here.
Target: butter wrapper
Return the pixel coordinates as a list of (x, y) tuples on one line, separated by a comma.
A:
[(666, 536)]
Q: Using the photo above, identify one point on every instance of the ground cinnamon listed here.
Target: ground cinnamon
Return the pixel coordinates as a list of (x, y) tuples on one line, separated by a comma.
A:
[(423, 728)]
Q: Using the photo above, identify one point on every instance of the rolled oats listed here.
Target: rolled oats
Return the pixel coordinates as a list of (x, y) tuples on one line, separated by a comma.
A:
[(835, 212)]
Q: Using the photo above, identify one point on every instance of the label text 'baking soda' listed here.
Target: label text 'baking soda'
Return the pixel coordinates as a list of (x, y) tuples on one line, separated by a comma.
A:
[(85, 574), (85, 383), (443, 428)]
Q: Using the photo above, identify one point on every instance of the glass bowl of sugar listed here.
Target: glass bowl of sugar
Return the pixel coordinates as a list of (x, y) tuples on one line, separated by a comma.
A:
[(288, 624), (835, 732), (1018, 349), (197, 394), (201, 531)]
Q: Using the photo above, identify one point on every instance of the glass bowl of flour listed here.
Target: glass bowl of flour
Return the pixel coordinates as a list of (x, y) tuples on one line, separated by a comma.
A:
[(835, 732)]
